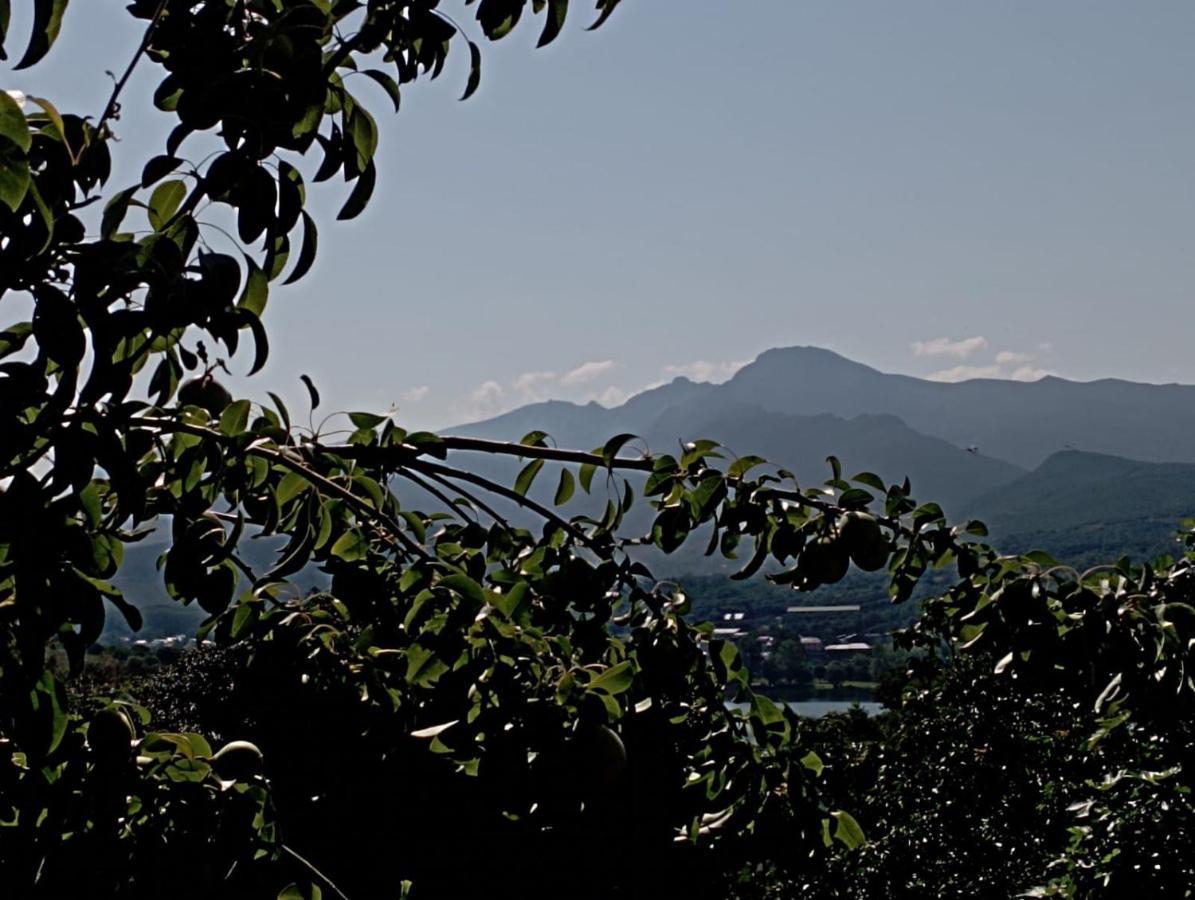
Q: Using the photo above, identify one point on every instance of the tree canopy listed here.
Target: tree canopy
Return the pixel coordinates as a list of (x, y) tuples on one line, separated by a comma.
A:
[(473, 701)]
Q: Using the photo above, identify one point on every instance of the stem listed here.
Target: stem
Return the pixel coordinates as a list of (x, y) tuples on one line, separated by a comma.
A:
[(113, 101)]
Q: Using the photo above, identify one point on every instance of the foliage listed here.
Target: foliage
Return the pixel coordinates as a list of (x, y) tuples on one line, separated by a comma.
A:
[(530, 694)]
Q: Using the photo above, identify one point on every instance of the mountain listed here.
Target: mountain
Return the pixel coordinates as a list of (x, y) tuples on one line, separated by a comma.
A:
[(1022, 422), (684, 410), (1085, 508)]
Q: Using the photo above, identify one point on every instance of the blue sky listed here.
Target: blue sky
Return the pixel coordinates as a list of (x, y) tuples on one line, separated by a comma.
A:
[(950, 189)]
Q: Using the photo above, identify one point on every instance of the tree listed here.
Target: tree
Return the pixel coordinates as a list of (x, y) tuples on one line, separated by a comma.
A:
[(532, 695)]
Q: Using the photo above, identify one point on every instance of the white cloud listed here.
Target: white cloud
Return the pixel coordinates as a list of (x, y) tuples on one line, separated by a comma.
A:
[(612, 396), (415, 394), (944, 346), (702, 370), (587, 372), (1011, 357), (488, 392), (965, 373), (1031, 373), (529, 381)]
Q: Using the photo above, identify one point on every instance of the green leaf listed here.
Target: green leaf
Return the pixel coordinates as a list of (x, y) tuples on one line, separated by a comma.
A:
[(610, 449), (362, 191), (115, 211), (350, 546), (813, 763), (235, 417), (257, 290), (474, 71), (165, 201), (527, 476), (847, 829), (13, 124), (366, 419), (743, 465), (585, 475), (557, 11), (388, 84), (14, 175), (47, 22), (564, 491), (871, 480), (614, 680), (311, 391), (307, 250)]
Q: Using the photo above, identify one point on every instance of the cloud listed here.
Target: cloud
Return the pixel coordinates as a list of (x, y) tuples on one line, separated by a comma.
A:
[(587, 372), (966, 373), (1031, 373), (702, 370), (1011, 357), (415, 394), (487, 393), (613, 396), (943, 346)]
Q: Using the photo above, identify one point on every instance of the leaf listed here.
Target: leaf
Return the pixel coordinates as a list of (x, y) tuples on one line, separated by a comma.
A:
[(165, 201), (606, 9), (871, 480), (585, 475), (743, 465), (235, 417), (362, 191), (350, 546), (614, 680), (261, 343), (813, 763), (610, 449), (366, 419), (311, 391), (306, 251), (47, 22), (257, 290), (14, 175), (388, 84), (847, 829), (115, 211), (13, 124), (527, 476), (474, 71), (433, 731), (557, 11), (564, 491), (157, 168)]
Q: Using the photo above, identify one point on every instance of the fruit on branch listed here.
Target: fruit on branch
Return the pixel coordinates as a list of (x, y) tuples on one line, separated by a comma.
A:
[(865, 541), (824, 560), (110, 735), (237, 761), (206, 393)]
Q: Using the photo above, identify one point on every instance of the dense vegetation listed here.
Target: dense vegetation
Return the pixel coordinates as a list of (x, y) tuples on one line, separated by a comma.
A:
[(475, 705)]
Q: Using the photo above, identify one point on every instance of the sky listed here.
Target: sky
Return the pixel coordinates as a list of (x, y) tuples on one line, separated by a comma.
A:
[(949, 190)]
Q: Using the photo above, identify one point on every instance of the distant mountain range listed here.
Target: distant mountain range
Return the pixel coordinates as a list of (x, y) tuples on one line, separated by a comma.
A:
[(1077, 468), (1085, 470)]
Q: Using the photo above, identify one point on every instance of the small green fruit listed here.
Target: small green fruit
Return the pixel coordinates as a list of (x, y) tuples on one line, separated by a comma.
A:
[(206, 393), (865, 541), (237, 761), (824, 560), (110, 735)]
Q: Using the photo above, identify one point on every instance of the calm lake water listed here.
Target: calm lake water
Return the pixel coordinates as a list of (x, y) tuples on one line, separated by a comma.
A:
[(841, 701), (821, 707)]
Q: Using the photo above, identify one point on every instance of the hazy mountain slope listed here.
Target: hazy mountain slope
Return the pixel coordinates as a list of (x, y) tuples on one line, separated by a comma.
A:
[(1022, 422), (1084, 507)]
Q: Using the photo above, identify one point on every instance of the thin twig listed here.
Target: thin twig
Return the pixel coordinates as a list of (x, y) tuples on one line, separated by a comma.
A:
[(114, 100)]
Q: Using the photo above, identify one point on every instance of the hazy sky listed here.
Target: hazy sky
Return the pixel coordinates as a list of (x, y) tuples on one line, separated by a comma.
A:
[(951, 188)]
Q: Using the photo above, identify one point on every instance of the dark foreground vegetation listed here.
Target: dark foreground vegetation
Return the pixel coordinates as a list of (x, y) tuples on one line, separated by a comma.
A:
[(476, 707)]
